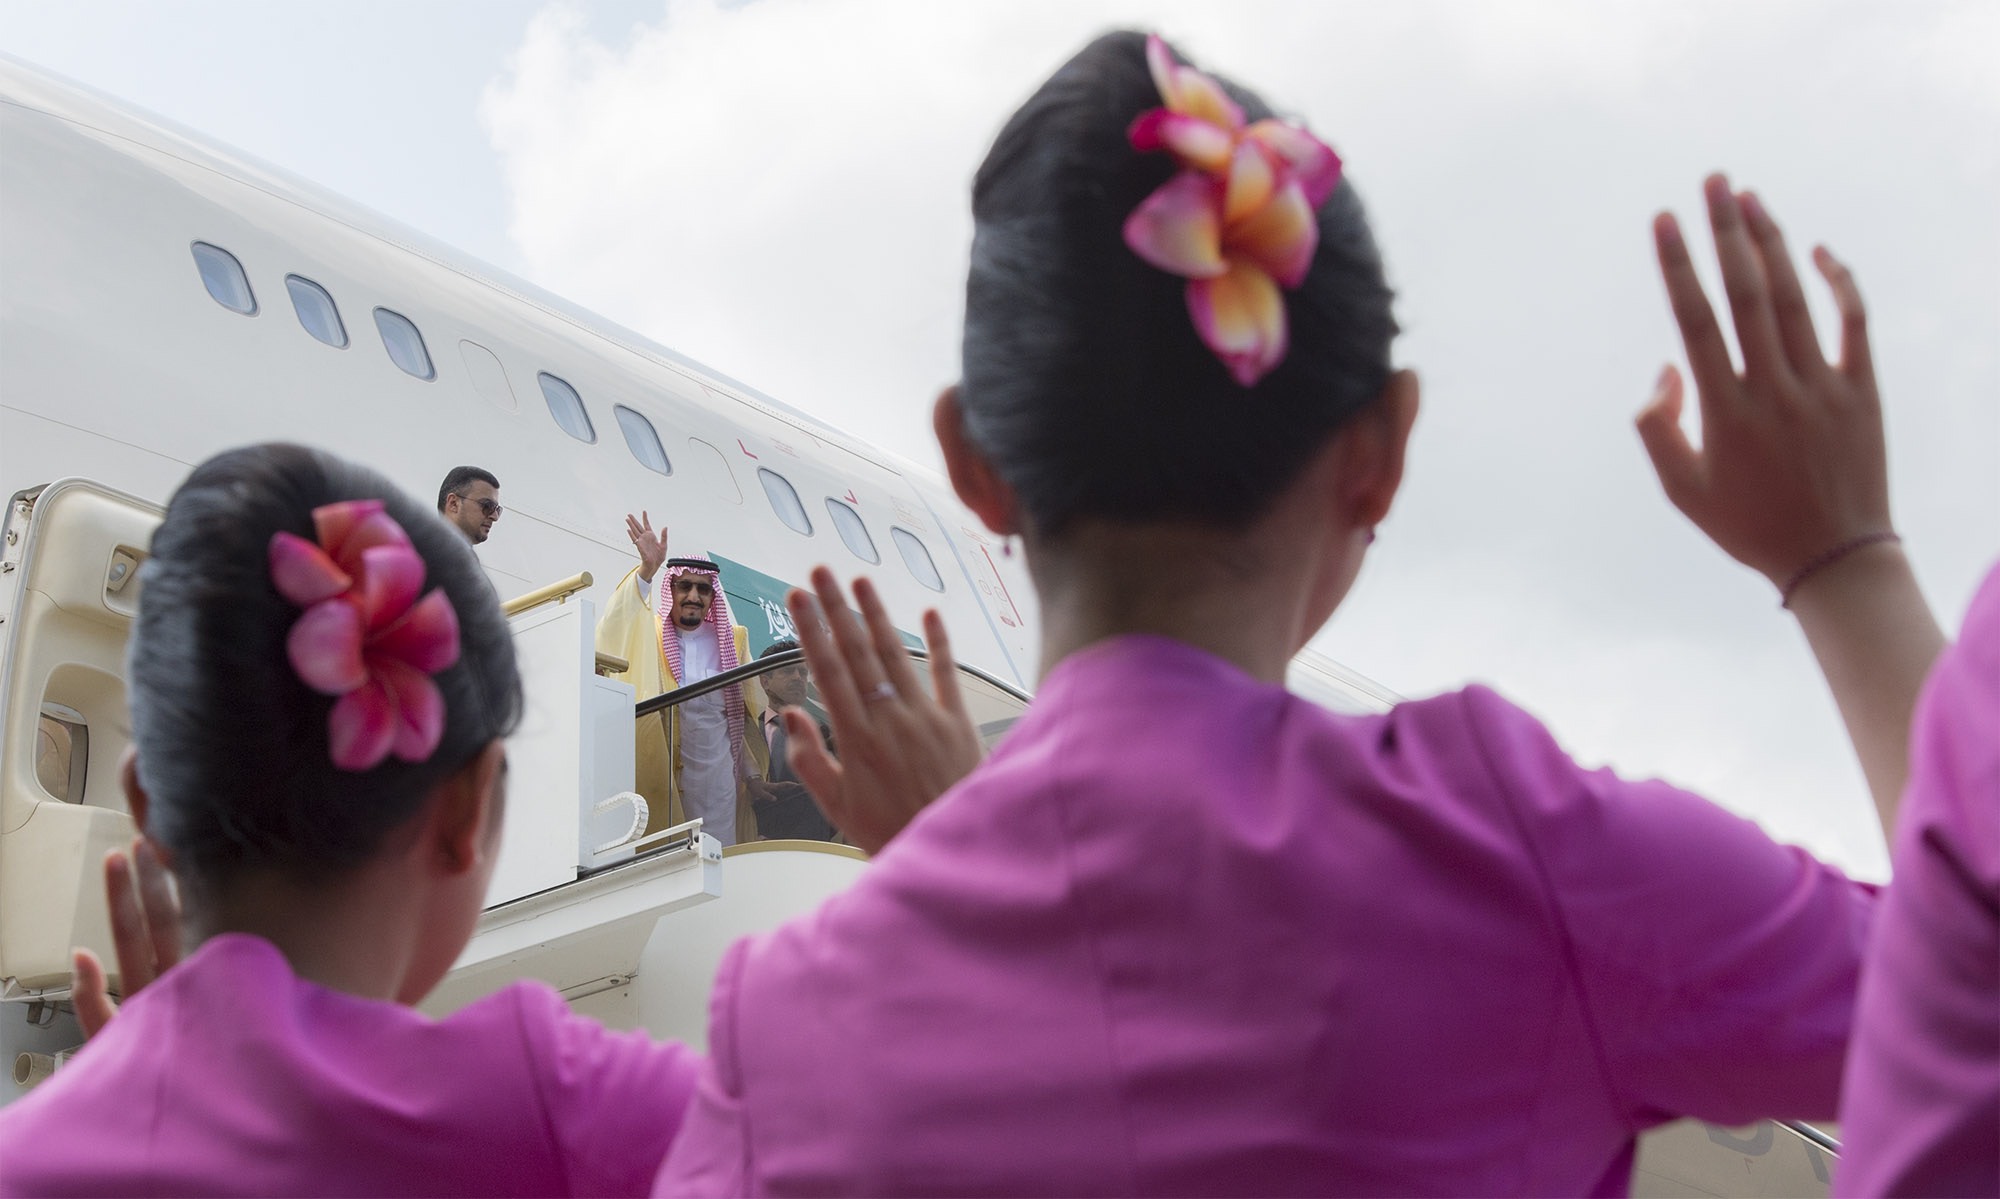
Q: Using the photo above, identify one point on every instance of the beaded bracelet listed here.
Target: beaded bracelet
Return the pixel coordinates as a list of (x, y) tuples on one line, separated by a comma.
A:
[(1827, 559)]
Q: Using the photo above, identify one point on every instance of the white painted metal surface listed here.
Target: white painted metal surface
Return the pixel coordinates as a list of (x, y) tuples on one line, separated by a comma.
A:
[(761, 889)]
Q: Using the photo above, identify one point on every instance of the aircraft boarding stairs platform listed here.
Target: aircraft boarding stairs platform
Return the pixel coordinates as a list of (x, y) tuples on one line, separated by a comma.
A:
[(628, 925)]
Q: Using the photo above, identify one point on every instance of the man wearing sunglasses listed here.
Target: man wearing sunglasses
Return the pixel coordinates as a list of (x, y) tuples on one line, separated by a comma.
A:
[(703, 757), (470, 499)]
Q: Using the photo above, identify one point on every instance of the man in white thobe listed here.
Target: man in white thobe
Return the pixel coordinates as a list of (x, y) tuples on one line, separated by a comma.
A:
[(696, 761)]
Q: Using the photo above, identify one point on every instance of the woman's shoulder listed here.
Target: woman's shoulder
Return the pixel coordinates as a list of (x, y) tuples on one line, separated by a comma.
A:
[(608, 1103), (1474, 755), (560, 1044), (1472, 731), (1954, 759)]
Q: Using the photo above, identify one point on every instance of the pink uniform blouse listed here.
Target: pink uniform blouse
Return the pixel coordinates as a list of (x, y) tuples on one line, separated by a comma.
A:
[(1922, 1109), (229, 1075), (1187, 933)]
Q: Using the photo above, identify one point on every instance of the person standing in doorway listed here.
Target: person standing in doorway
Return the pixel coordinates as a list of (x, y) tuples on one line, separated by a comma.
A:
[(469, 498), (691, 760)]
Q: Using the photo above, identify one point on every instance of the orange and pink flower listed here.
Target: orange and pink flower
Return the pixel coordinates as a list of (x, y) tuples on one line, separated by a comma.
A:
[(365, 636), (1238, 220)]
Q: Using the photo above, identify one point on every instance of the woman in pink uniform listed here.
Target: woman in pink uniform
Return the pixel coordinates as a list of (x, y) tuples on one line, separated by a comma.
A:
[(1921, 1109), (1185, 932), (320, 682)]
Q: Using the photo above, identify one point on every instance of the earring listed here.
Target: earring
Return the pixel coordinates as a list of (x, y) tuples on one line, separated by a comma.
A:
[(1371, 535)]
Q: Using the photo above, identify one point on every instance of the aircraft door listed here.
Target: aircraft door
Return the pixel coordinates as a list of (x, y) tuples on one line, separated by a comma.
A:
[(70, 570)]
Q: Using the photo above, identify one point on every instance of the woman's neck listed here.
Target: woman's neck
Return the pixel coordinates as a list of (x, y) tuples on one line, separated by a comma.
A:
[(1223, 592), (355, 933)]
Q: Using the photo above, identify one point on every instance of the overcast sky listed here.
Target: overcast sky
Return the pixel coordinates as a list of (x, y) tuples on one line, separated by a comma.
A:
[(778, 188)]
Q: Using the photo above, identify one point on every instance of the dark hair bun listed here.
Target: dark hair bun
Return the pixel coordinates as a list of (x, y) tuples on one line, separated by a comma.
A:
[(1084, 380), (233, 749)]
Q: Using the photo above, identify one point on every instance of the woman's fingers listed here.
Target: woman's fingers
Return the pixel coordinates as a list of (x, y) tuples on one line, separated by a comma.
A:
[(891, 654), (1856, 362), (813, 765), (1707, 352), (89, 994), (848, 638), (857, 648), (1675, 460), (824, 660), (1788, 298), (944, 666), (129, 937), (162, 908), (1744, 281)]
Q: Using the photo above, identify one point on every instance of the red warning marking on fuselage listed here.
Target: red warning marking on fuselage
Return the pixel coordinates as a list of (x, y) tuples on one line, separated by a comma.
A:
[(992, 566), (851, 499), (744, 448)]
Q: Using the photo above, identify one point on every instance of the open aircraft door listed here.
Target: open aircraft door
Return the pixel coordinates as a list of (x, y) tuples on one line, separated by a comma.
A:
[(70, 569)]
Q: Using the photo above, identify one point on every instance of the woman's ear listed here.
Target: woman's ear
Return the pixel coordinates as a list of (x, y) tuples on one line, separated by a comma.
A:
[(138, 802), (972, 475), (467, 809), (1375, 443)]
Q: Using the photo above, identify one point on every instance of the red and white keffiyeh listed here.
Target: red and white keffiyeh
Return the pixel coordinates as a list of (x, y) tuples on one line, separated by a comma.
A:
[(725, 640)]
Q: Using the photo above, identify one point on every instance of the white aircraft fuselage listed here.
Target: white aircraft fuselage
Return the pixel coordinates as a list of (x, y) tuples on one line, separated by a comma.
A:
[(118, 365)]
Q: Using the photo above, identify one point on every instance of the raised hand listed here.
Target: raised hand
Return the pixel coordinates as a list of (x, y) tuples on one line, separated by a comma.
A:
[(1792, 477), (900, 745), (1792, 464), (145, 933), (652, 546)]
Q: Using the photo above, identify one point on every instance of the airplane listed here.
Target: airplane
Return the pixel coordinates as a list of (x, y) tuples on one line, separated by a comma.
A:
[(167, 297)]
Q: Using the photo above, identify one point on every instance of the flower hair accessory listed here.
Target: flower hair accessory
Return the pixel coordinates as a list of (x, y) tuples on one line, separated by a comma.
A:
[(1238, 220), (365, 636)]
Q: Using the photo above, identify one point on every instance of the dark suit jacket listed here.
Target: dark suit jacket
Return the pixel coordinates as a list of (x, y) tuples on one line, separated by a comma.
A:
[(792, 812)]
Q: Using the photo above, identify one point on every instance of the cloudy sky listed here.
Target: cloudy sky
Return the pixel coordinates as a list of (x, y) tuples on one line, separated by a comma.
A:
[(778, 188)]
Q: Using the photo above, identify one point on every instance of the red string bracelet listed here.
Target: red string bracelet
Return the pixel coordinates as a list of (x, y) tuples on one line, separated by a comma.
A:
[(1827, 559)]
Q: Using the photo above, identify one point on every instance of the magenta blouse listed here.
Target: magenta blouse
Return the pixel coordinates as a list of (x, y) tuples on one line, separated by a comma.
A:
[(1922, 1110), (231, 1076), (1185, 932)]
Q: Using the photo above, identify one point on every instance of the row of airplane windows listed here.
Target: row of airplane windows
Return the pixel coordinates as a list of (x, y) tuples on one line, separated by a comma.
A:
[(229, 286)]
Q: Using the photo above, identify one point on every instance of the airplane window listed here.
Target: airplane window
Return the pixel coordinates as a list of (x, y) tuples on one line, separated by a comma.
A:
[(785, 502), (642, 440), (567, 407), (316, 311), (852, 531), (917, 558), (223, 276), (404, 343), (62, 752)]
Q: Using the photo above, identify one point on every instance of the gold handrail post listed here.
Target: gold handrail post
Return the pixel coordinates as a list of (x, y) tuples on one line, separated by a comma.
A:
[(555, 593)]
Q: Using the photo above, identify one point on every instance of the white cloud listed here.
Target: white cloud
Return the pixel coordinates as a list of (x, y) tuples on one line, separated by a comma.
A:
[(779, 188)]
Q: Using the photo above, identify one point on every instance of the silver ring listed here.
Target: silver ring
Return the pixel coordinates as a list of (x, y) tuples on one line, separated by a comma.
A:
[(882, 690)]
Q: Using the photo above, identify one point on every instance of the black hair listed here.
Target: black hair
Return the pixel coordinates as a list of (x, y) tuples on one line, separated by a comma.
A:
[(1085, 383), (233, 750), (778, 647), (459, 477)]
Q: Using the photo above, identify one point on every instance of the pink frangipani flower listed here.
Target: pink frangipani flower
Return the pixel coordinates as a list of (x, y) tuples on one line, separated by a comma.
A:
[(364, 636), (1237, 221)]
